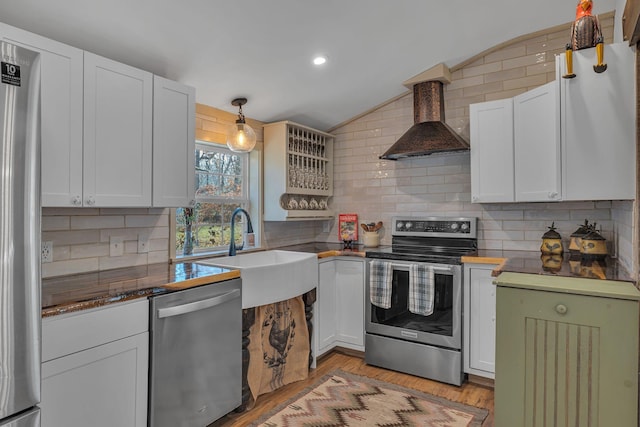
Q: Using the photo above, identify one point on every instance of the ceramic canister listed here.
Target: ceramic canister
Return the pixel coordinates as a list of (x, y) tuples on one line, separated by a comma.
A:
[(575, 242), (594, 246), (371, 239), (551, 241)]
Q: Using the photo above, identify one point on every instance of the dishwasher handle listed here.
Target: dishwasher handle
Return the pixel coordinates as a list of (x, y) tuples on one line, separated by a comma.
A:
[(198, 305)]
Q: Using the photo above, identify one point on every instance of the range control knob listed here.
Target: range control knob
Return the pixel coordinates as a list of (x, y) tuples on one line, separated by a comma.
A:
[(399, 225), (408, 225), (454, 225), (464, 226)]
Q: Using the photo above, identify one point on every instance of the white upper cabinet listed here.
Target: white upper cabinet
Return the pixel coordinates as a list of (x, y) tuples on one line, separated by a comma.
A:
[(491, 126), (515, 148), (61, 115), (100, 142), (536, 138), (118, 102), (174, 111), (598, 125), (571, 139)]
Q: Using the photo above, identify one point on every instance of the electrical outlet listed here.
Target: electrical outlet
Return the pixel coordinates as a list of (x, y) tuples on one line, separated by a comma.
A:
[(143, 243), (47, 252), (326, 226), (116, 246)]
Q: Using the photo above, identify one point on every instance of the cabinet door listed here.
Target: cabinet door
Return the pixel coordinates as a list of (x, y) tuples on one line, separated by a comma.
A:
[(491, 125), (537, 144), (598, 126), (117, 134), (174, 112), (350, 302), (565, 359), (480, 320), (61, 115), (326, 316), (102, 386)]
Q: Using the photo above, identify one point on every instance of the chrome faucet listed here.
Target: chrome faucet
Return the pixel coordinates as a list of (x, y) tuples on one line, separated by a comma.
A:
[(232, 245)]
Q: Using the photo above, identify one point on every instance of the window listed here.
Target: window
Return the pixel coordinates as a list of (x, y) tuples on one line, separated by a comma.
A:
[(222, 185)]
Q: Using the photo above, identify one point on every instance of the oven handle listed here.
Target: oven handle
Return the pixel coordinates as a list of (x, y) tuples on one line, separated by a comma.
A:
[(407, 266)]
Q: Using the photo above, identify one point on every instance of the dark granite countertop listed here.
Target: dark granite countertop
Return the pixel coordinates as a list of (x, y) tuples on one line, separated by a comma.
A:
[(76, 292), (567, 265)]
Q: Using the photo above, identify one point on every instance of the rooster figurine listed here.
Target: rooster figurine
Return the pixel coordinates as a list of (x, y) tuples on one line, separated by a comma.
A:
[(585, 33)]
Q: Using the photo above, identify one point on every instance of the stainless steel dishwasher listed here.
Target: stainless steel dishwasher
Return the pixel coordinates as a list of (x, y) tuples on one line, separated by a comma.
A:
[(196, 355)]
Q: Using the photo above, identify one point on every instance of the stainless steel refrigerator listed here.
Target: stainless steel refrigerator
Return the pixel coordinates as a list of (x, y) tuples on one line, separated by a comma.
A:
[(19, 237)]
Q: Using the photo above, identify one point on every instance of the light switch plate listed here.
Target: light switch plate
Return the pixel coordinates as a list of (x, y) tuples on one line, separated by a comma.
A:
[(143, 243), (116, 246)]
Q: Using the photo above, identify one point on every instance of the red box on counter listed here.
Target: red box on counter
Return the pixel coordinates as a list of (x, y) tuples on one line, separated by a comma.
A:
[(348, 227)]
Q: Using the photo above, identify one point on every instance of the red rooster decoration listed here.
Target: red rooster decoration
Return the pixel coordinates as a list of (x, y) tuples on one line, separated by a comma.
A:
[(585, 33)]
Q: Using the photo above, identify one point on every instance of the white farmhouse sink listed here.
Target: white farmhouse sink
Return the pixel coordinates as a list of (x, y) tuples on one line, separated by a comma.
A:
[(271, 276)]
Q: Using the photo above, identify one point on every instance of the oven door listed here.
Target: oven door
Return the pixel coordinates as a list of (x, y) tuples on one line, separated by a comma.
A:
[(441, 328)]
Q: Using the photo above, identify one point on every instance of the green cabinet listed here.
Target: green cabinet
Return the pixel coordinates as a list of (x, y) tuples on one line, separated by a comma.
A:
[(566, 352)]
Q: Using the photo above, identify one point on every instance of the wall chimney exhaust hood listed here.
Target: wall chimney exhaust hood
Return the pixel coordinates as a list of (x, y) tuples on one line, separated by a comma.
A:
[(430, 134)]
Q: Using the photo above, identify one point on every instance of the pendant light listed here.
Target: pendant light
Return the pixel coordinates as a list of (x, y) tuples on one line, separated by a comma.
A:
[(241, 137)]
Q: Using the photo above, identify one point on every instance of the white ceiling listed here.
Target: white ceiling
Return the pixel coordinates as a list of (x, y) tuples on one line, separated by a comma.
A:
[(262, 49)]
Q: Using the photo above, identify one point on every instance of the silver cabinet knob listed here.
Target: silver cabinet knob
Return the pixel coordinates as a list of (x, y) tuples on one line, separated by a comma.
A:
[(561, 309), (192, 203), (91, 201), (475, 198), (553, 194), (76, 201)]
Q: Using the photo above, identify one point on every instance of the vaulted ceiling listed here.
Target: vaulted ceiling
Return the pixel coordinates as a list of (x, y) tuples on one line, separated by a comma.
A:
[(263, 50)]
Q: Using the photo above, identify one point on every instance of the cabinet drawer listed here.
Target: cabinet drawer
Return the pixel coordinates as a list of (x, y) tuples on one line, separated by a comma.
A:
[(566, 308), (69, 333)]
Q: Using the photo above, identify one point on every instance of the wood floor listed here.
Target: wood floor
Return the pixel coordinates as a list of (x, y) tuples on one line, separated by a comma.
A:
[(470, 394)]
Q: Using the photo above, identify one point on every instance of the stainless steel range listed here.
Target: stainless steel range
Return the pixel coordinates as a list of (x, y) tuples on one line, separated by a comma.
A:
[(414, 297)]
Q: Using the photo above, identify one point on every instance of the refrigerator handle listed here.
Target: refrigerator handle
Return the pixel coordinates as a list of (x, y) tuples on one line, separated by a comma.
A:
[(198, 305)]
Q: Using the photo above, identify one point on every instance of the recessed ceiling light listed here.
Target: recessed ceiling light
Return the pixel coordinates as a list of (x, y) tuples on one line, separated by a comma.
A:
[(319, 60)]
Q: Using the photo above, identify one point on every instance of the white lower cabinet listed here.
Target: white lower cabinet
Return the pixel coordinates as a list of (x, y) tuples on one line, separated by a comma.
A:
[(340, 304), (94, 370), (326, 312), (479, 320)]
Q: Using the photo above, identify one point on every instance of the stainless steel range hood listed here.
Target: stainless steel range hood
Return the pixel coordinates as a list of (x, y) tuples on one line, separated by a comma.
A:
[(430, 134)]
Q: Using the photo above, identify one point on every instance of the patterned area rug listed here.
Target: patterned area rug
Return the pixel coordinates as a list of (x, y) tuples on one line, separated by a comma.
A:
[(341, 399)]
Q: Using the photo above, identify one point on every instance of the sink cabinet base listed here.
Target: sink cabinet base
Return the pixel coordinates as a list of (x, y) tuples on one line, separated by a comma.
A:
[(248, 320)]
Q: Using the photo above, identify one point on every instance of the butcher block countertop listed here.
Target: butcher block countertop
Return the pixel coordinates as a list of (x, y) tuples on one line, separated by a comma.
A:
[(64, 294), (327, 250)]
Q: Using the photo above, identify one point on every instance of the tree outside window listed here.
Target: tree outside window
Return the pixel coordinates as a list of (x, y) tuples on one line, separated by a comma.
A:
[(221, 187)]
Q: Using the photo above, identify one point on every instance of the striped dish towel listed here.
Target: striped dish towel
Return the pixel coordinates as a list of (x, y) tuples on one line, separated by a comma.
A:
[(421, 289), (380, 277)]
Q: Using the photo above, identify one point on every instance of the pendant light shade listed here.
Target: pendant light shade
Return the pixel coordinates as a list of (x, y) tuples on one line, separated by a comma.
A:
[(241, 138)]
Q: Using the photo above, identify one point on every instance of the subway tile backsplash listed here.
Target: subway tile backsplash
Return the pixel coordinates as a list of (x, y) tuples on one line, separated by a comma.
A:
[(81, 238)]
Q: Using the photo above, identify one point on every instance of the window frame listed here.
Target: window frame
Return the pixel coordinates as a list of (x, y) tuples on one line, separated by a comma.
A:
[(252, 189)]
